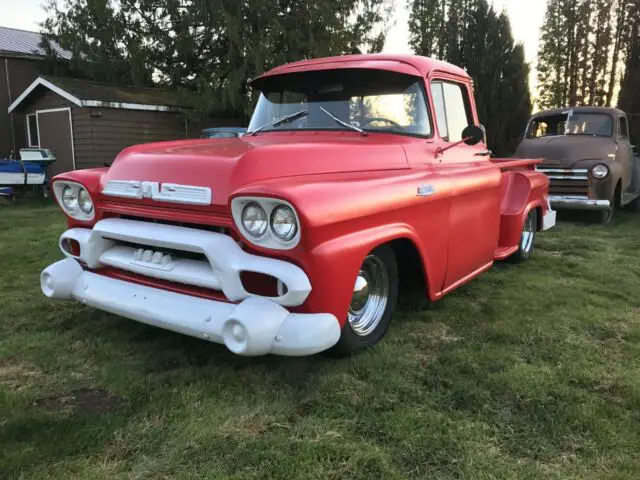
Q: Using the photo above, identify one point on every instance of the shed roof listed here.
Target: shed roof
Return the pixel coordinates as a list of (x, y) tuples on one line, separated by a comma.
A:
[(85, 93), (15, 42)]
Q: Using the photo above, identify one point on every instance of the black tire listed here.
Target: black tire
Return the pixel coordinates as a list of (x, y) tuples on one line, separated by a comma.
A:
[(606, 216), (351, 340), (527, 240)]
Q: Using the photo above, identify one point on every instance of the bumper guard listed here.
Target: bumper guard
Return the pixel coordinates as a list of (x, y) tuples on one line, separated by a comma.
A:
[(255, 326)]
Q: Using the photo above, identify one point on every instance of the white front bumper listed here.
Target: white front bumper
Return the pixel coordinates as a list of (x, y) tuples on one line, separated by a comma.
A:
[(256, 326)]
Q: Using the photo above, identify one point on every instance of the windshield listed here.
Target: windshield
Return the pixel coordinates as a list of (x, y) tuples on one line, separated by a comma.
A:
[(571, 123), (372, 100)]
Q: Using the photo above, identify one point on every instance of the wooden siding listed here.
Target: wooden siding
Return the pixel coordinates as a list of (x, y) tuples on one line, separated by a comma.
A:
[(45, 99), (83, 137), (22, 72), (101, 133), (6, 132)]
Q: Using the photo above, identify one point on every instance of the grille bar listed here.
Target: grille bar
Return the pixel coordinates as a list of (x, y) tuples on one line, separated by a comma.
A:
[(573, 181)]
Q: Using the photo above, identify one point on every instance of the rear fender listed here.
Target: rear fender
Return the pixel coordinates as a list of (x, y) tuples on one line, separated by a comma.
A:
[(521, 191)]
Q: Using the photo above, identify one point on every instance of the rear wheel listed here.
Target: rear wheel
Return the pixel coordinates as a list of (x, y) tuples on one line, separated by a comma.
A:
[(374, 299), (527, 238)]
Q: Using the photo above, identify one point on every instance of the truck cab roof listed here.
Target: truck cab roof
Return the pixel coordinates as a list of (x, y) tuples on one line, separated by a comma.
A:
[(408, 64), (587, 109)]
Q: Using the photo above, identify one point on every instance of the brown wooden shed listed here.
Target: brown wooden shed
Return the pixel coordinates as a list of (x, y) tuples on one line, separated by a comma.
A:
[(22, 59), (87, 123)]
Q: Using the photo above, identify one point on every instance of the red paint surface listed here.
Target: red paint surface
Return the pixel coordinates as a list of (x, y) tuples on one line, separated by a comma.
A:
[(352, 194)]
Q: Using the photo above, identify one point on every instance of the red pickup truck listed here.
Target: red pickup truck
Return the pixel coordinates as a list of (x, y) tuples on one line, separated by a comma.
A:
[(293, 238)]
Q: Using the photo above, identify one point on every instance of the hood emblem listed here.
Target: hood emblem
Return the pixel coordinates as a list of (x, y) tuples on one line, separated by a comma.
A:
[(161, 192), (426, 190)]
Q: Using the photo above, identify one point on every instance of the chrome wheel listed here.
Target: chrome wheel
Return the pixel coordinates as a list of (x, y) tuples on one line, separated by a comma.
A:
[(370, 296), (528, 232)]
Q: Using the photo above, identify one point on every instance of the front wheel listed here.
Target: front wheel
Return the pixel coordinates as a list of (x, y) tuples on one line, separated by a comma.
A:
[(374, 299), (606, 216), (527, 238)]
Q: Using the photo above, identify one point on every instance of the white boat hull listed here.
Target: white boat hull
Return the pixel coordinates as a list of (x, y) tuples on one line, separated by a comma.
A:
[(18, 178)]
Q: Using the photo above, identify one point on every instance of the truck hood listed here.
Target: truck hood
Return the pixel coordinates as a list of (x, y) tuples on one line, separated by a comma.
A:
[(224, 165), (566, 151)]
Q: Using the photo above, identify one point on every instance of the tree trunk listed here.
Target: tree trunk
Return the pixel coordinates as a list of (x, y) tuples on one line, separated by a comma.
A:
[(621, 18)]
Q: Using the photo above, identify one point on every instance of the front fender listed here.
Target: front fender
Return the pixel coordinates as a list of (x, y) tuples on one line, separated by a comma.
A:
[(333, 265), (90, 179), (603, 189), (344, 217)]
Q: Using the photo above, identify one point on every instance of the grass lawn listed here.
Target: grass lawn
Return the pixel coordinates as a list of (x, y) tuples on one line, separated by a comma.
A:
[(531, 371)]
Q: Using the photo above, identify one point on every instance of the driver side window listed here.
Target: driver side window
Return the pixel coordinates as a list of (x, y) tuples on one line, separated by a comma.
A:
[(623, 130), (453, 114)]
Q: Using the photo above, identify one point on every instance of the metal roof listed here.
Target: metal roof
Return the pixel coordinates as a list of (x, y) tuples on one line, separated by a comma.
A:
[(15, 42)]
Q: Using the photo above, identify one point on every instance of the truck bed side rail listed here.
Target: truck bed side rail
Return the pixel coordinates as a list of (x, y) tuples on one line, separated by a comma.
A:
[(511, 164)]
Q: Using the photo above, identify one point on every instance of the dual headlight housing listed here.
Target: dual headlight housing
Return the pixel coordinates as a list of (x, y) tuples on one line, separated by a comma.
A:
[(268, 222), (74, 200)]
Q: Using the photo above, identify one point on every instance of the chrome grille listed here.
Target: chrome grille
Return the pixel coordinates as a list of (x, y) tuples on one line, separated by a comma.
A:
[(567, 181), (209, 228)]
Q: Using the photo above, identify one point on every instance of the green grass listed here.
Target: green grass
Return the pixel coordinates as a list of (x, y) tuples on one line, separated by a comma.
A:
[(530, 371)]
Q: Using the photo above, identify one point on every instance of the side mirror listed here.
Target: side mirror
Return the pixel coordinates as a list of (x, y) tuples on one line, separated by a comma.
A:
[(473, 134)]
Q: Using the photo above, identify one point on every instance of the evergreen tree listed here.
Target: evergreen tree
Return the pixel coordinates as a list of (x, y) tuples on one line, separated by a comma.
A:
[(581, 51), (209, 49), (427, 27), (96, 33), (469, 33), (629, 99)]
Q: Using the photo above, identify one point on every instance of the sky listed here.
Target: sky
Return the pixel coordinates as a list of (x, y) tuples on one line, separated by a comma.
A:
[(526, 19)]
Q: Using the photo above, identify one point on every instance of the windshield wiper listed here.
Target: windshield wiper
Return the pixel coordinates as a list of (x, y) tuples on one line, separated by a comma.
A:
[(343, 123), (281, 121)]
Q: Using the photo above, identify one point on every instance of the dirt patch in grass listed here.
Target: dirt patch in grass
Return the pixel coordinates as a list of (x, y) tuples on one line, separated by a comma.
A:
[(16, 376), (82, 400)]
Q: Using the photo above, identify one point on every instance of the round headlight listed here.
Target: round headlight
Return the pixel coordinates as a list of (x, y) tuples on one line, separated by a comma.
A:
[(254, 220), (600, 171), (283, 223), (69, 198), (84, 201)]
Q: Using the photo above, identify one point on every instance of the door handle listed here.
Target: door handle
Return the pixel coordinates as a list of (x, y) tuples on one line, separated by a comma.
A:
[(484, 153)]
